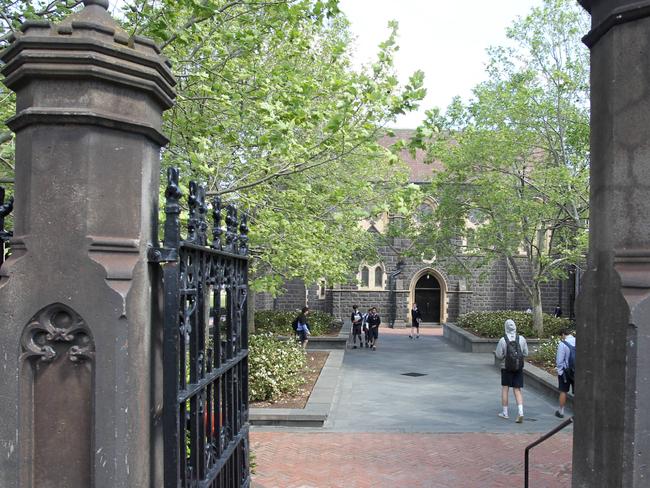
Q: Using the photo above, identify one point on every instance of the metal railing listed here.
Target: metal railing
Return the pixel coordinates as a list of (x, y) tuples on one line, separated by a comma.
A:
[(539, 441)]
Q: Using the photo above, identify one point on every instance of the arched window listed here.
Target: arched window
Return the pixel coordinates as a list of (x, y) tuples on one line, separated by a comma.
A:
[(379, 277), (365, 277)]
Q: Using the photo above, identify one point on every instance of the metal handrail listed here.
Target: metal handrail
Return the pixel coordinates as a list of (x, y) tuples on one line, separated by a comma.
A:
[(539, 441)]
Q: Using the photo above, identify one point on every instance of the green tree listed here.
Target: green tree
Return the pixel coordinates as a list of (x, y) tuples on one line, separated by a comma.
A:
[(272, 114), (515, 181)]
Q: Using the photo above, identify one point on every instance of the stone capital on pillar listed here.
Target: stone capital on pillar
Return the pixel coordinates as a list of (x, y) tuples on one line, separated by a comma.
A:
[(78, 298)]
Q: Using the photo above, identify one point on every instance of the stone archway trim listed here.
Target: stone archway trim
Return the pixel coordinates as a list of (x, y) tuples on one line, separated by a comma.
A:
[(443, 291)]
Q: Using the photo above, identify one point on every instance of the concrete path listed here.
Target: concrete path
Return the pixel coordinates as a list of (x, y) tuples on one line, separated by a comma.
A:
[(460, 391), (436, 430)]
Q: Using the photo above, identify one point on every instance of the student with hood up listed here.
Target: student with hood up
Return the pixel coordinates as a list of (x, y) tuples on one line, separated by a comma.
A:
[(511, 350)]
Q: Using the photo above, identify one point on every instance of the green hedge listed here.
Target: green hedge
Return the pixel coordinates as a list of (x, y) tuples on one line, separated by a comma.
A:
[(275, 367), (490, 324), (278, 322)]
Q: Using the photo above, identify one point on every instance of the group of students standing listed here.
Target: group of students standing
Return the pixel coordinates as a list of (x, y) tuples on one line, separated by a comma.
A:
[(511, 350), (368, 323)]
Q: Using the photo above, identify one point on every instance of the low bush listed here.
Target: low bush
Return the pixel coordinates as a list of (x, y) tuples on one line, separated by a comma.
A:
[(490, 324), (278, 322), (546, 352), (275, 367)]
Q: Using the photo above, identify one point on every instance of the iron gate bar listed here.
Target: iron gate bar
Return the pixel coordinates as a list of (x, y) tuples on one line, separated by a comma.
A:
[(214, 472), (186, 394), (205, 352)]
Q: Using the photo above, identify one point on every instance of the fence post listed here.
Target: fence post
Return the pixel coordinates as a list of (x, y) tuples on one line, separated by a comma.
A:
[(78, 318)]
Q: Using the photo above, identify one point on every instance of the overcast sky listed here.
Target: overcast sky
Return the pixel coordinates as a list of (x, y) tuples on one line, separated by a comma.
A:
[(445, 39)]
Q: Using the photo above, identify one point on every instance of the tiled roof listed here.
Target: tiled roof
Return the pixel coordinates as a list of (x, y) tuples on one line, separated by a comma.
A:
[(420, 171)]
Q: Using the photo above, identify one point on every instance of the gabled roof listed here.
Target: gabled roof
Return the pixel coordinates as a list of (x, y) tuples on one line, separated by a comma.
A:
[(420, 172)]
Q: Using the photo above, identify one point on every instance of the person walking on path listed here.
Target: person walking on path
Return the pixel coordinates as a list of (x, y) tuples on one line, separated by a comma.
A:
[(416, 318), (565, 365), (302, 328), (356, 319), (366, 330), (511, 350), (373, 327)]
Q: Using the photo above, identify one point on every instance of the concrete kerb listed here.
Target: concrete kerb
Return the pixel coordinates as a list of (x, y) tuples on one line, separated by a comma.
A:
[(318, 405), (537, 378), (468, 342)]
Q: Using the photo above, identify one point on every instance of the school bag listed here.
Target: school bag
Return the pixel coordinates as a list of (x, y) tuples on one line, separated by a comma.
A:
[(514, 356), (570, 370)]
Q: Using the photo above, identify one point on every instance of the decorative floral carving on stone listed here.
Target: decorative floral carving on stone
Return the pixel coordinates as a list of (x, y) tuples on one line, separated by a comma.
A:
[(55, 330)]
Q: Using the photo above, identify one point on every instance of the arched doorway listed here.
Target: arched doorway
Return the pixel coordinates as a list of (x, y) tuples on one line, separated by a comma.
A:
[(428, 297)]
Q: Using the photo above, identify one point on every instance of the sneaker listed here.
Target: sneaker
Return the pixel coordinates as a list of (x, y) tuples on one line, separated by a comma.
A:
[(559, 415), (354, 347), (520, 419), (410, 337), (374, 348), (417, 337), (503, 415)]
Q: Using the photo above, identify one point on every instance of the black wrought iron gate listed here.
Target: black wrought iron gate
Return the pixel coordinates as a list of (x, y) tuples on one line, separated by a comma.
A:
[(205, 350), (5, 235)]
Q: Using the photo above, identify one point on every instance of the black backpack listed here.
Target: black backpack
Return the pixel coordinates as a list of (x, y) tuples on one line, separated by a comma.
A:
[(294, 324), (514, 357), (571, 369)]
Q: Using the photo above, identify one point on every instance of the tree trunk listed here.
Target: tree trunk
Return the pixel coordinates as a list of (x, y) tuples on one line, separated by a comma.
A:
[(538, 319)]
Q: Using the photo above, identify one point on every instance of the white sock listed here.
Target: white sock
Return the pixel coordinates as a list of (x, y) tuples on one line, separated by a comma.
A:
[(505, 410), (520, 410), (561, 410)]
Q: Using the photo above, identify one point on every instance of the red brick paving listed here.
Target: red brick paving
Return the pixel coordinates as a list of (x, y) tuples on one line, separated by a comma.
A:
[(387, 460)]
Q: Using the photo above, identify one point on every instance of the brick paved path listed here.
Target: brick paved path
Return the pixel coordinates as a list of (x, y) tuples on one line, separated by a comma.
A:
[(377, 460), (438, 430)]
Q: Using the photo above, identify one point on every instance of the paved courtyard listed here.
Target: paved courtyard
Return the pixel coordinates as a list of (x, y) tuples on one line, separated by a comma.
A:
[(435, 430)]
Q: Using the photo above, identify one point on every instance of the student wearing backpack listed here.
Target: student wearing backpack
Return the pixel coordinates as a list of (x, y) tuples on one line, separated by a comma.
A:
[(302, 327), (511, 350), (565, 363)]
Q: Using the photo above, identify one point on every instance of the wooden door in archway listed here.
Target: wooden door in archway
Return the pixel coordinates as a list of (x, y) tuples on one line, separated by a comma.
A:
[(427, 296)]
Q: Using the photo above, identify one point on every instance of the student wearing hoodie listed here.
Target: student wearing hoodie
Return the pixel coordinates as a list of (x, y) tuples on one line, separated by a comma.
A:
[(565, 379), (512, 377)]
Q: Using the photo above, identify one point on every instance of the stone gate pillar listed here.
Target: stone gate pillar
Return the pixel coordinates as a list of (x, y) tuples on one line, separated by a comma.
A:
[(612, 416), (77, 344)]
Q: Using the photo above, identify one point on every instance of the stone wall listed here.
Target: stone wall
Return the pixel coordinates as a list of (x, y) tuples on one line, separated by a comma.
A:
[(487, 289)]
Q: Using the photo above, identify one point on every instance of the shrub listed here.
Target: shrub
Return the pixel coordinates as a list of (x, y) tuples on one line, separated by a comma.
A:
[(490, 324), (275, 367), (278, 322), (546, 352)]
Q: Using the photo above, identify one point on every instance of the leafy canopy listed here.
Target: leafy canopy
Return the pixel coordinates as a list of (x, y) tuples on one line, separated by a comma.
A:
[(515, 156), (272, 114)]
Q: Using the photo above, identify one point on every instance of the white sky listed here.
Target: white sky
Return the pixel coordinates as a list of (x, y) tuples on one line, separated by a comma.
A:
[(445, 39)]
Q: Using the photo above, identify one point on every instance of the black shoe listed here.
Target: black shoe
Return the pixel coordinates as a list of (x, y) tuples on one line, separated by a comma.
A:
[(410, 337), (354, 347), (559, 415)]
